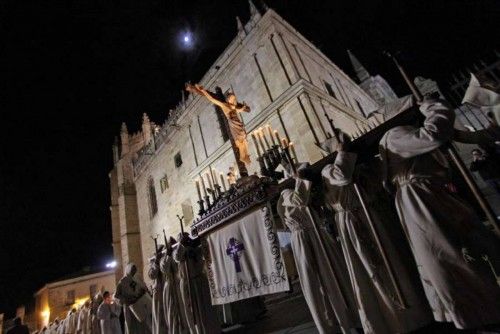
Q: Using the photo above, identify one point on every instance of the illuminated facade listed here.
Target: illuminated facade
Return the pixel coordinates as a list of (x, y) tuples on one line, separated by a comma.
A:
[(55, 299), (287, 82)]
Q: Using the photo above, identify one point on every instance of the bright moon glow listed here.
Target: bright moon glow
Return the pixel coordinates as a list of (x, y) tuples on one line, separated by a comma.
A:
[(186, 39)]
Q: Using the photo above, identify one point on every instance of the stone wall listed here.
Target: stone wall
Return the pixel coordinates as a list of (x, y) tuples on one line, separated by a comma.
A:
[(281, 76)]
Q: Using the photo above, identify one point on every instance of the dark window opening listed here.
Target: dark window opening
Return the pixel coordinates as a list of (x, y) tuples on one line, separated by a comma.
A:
[(329, 89), (153, 204), (178, 160)]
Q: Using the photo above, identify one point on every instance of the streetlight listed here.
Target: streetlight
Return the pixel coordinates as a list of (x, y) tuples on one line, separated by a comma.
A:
[(111, 264)]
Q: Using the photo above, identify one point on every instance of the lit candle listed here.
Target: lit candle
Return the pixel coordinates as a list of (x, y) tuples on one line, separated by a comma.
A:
[(284, 142), (204, 187), (209, 180), (198, 189), (222, 181), (277, 135), (214, 177), (260, 140), (263, 135), (270, 131), (292, 150), (236, 172), (256, 144)]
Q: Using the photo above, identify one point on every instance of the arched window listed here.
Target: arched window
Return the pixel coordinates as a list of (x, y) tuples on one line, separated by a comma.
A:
[(153, 204)]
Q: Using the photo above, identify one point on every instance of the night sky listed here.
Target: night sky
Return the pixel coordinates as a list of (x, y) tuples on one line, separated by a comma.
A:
[(72, 71)]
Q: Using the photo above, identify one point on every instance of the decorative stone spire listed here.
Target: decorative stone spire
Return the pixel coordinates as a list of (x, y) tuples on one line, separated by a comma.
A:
[(264, 5), (124, 128), (124, 138), (239, 24), (146, 128), (360, 70), (116, 151), (254, 12)]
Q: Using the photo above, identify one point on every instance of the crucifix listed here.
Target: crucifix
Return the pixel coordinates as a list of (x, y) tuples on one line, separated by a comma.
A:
[(231, 123), (233, 251)]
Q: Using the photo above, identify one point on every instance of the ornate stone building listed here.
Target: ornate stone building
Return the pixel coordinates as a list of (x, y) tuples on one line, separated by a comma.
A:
[(375, 86), (287, 82), (55, 299)]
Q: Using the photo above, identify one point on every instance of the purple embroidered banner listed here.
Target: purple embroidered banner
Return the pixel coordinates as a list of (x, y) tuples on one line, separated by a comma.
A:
[(245, 259)]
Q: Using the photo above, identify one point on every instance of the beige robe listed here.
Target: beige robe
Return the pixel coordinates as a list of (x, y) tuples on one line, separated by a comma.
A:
[(158, 325), (171, 305), (440, 225), (322, 296), (70, 324), (84, 321), (128, 290), (197, 309), (379, 309)]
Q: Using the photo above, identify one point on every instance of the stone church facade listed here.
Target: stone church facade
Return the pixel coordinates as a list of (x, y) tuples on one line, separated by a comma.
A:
[(287, 82)]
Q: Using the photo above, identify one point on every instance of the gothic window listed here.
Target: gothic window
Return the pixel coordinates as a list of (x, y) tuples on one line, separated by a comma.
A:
[(70, 297), (93, 290), (164, 183), (153, 204), (178, 160), (329, 89)]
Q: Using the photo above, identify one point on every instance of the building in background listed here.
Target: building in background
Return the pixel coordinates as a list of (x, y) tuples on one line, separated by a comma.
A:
[(375, 86), (427, 86), (55, 299), (287, 82)]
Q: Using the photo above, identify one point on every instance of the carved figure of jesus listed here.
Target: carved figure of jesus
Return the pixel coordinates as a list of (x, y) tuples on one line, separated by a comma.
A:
[(231, 108)]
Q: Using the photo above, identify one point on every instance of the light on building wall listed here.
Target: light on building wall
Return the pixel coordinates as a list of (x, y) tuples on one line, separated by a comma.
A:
[(111, 264), (45, 317), (80, 301)]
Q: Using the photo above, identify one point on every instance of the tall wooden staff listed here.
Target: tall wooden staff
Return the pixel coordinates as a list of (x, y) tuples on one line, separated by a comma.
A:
[(455, 158), (374, 231), (323, 250), (188, 274)]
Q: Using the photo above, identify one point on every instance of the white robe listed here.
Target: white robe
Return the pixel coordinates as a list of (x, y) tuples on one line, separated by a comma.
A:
[(322, 296), (204, 313), (70, 323), (128, 290), (379, 309), (62, 325), (109, 318), (171, 303), (158, 321), (439, 225), (53, 328), (485, 99), (95, 326), (84, 321)]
